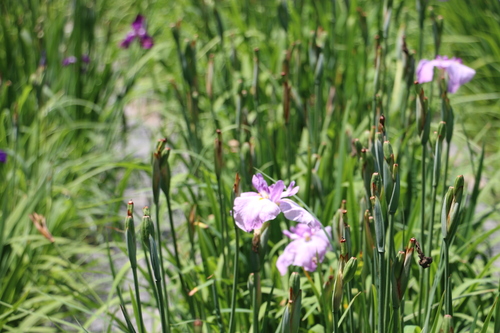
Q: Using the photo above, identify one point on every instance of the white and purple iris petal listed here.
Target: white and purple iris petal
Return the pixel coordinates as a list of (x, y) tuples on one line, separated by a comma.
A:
[(308, 247), (458, 73), (252, 209)]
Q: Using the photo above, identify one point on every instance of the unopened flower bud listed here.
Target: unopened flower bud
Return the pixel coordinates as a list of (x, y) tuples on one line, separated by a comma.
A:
[(350, 269), (165, 175), (376, 185), (447, 324), (441, 131), (445, 212), (458, 189), (337, 292), (294, 284), (147, 227), (156, 170), (130, 208), (131, 242), (388, 153)]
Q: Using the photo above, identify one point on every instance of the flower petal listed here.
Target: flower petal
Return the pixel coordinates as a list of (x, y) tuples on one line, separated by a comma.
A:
[(290, 190), (296, 213), (425, 70), (147, 42), (276, 190), (250, 211), (138, 23), (458, 74), (306, 255), (286, 258), (69, 60), (259, 183), (128, 39), (3, 156)]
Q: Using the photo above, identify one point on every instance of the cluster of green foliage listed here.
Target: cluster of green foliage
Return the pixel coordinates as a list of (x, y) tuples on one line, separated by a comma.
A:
[(299, 90)]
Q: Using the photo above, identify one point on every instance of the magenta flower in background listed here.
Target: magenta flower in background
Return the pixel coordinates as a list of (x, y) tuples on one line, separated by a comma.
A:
[(138, 31), (458, 73), (252, 209), (307, 247), (3, 156)]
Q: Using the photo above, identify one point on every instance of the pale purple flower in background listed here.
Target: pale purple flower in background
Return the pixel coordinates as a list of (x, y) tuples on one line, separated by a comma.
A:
[(72, 60), (69, 60), (252, 209), (308, 247), (3, 156), (138, 31), (458, 73)]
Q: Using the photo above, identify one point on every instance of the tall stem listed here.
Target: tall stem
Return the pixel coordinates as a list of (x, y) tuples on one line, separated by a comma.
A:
[(177, 260), (235, 279), (162, 281), (423, 297)]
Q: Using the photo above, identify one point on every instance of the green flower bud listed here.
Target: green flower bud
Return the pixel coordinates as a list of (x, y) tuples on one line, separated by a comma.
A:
[(147, 227), (130, 208), (376, 185), (165, 175), (156, 170), (441, 131), (445, 212), (337, 292), (458, 189), (294, 284), (447, 326), (388, 153), (130, 236), (350, 269)]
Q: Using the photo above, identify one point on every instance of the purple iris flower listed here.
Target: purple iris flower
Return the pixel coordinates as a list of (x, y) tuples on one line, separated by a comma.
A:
[(69, 60), (72, 60), (138, 31), (3, 156), (458, 73), (307, 247), (252, 209)]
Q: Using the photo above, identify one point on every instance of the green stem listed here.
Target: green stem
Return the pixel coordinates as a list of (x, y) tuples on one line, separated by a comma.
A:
[(162, 281), (381, 295), (422, 228), (447, 157), (138, 300), (336, 328), (448, 308), (235, 279), (177, 260), (390, 256), (224, 227), (350, 314), (256, 303)]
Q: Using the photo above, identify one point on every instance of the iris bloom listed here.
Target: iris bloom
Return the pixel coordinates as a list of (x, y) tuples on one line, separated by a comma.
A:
[(307, 247), (3, 156), (72, 60), (252, 209), (458, 73), (138, 31)]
